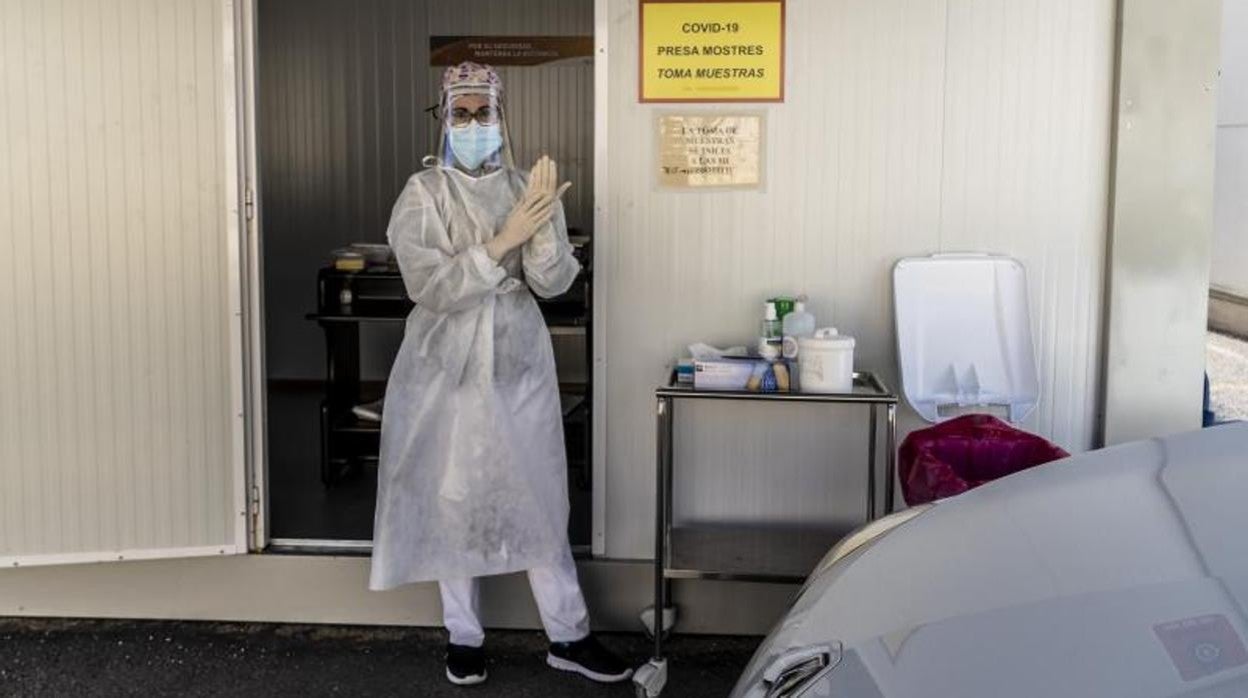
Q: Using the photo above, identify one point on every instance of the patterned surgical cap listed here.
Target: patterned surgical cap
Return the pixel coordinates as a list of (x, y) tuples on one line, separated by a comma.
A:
[(469, 74)]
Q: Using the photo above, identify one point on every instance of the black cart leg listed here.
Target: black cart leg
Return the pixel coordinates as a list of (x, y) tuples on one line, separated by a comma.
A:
[(327, 466), (651, 678), (872, 470), (661, 507), (890, 459), (342, 392)]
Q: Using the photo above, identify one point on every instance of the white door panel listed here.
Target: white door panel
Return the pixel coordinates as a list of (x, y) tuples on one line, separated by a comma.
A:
[(120, 343)]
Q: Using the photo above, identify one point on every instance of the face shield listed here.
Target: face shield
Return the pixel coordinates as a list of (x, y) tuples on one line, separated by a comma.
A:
[(474, 136)]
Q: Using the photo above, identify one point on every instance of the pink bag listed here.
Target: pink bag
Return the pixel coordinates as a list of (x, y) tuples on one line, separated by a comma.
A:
[(964, 453)]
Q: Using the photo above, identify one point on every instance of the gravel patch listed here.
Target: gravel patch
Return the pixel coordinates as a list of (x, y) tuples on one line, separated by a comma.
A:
[(1228, 376)]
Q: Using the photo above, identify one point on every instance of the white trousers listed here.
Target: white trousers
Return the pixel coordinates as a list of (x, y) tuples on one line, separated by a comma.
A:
[(556, 590)]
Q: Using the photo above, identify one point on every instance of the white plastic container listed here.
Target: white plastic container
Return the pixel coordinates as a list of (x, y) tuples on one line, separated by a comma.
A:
[(964, 336), (797, 324), (826, 362)]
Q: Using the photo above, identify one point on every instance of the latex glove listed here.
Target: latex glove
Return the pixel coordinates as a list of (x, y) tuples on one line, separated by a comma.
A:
[(531, 212), (543, 178), (528, 215)]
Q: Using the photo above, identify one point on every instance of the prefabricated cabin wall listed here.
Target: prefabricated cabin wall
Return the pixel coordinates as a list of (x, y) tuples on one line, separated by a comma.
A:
[(909, 127), (1162, 218), (1230, 244)]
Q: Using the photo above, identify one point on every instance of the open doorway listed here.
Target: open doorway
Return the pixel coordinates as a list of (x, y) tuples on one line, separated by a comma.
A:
[(344, 99), (1228, 296)]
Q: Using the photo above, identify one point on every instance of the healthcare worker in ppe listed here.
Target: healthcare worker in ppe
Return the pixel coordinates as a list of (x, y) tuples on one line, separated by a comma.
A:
[(473, 472)]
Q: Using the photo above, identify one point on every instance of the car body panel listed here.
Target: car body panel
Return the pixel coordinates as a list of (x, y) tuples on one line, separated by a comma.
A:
[(1079, 577)]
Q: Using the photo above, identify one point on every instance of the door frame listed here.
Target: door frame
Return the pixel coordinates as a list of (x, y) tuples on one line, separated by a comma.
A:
[(248, 185), (602, 270), (237, 232)]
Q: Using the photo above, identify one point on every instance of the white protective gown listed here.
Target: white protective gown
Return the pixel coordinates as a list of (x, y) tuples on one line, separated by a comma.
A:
[(473, 473)]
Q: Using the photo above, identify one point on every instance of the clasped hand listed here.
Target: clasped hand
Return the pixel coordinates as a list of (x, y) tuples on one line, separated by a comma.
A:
[(532, 211)]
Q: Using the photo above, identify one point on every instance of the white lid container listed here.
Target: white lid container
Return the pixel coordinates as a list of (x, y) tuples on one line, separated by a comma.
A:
[(827, 339), (964, 334), (825, 362)]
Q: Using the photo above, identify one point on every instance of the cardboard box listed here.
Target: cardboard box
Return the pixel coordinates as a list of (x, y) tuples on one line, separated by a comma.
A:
[(730, 373)]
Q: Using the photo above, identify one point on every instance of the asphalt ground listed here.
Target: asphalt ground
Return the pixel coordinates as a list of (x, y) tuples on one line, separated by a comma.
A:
[(42, 657), (1228, 376)]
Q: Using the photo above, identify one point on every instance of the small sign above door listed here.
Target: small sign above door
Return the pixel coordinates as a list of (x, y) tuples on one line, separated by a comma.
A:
[(508, 50)]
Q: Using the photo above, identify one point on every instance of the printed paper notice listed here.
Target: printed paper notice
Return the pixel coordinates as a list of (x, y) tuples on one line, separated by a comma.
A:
[(710, 150), (712, 51)]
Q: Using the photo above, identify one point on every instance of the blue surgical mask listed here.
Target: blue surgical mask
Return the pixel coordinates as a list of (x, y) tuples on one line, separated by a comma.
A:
[(474, 144)]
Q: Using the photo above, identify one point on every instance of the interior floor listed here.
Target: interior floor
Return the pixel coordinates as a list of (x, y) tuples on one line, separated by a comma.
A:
[(302, 508)]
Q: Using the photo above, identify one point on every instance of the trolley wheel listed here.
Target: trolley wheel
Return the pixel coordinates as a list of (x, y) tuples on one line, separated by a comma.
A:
[(650, 679)]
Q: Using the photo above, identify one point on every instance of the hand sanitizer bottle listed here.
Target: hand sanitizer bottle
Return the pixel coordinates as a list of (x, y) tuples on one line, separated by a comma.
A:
[(770, 338)]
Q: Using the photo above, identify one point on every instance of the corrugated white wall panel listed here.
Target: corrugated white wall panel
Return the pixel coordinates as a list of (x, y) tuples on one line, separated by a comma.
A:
[(1025, 171), (1233, 87), (114, 354), (1230, 243), (341, 126), (910, 127)]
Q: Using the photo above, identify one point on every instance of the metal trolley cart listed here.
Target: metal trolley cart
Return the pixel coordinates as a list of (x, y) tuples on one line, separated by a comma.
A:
[(785, 556)]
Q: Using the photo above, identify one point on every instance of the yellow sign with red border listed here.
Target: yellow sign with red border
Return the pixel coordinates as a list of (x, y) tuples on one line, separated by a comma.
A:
[(711, 51)]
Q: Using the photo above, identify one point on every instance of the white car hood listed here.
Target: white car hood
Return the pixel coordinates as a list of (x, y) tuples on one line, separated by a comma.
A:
[(1095, 575)]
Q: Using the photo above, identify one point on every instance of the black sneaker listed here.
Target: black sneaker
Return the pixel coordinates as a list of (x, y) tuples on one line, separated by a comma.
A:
[(589, 659), (465, 666)]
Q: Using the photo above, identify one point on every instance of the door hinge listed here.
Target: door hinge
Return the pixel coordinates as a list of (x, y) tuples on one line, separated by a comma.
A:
[(249, 203), (254, 509)]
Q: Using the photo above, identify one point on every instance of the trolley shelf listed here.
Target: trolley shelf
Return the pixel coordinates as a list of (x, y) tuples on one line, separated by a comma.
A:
[(351, 424), (356, 317), (748, 552), (867, 389)]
